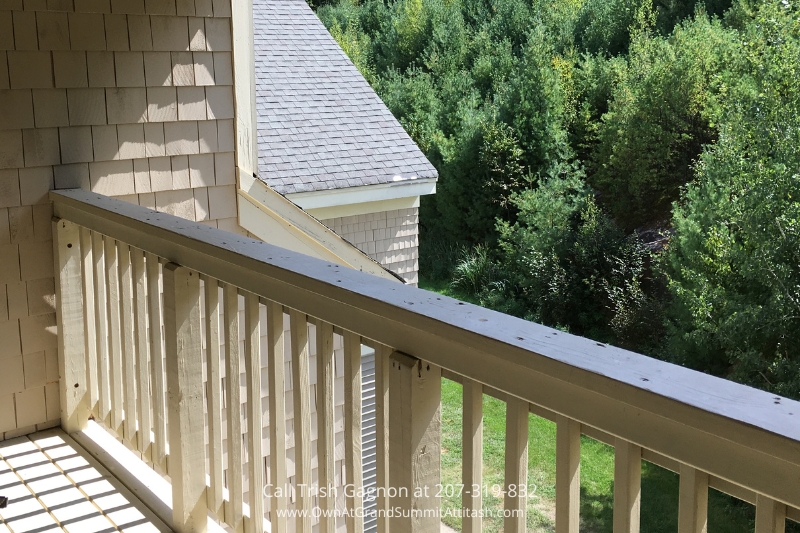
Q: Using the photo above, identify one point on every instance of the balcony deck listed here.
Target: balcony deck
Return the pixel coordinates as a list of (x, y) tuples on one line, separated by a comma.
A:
[(155, 313), (54, 485)]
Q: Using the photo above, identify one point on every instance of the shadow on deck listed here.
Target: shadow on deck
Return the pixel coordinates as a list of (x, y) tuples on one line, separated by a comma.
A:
[(54, 485)]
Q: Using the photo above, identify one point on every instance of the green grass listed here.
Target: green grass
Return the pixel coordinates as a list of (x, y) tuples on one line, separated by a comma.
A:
[(659, 511)]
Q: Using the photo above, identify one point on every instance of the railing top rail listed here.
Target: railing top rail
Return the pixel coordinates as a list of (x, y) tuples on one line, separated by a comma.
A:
[(735, 432)]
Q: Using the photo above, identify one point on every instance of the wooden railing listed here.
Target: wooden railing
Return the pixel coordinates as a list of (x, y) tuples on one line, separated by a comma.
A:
[(136, 364)]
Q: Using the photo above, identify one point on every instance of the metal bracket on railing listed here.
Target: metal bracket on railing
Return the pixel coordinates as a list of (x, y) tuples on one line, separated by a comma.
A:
[(3, 502)]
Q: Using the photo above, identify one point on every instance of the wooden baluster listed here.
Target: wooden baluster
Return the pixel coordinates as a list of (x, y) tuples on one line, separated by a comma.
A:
[(693, 501), (90, 332), (302, 418), (255, 463), (568, 475), (516, 467), (325, 419), (214, 393), (157, 361), (114, 335), (128, 342), (382, 367), (770, 515), (277, 417), (142, 351), (233, 402), (352, 431), (185, 381), (627, 486), (101, 324), (69, 312), (472, 456), (415, 431)]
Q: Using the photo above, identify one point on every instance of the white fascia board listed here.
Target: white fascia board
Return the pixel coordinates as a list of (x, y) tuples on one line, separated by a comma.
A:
[(363, 194), (349, 210)]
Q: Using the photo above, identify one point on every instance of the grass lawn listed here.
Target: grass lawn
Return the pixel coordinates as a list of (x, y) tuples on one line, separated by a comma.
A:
[(659, 511)]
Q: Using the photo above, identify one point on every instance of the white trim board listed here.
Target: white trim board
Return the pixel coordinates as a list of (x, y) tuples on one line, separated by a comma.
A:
[(276, 220), (364, 193), (349, 210)]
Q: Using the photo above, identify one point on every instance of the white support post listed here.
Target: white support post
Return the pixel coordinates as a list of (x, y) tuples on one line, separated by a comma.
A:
[(627, 486), (69, 317), (516, 471), (568, 475), (416, 433), (472, 457), (185, 393), (693, 501), (244, 77)]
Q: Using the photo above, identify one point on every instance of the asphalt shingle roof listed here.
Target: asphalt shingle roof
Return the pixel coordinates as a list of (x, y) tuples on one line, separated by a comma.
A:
[(320, 124)]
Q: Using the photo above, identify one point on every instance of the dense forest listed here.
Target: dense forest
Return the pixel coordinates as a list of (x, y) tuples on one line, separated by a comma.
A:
[(626, 170)]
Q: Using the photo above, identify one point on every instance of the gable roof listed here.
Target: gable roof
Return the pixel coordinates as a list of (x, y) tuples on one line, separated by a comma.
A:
[(320, 124)]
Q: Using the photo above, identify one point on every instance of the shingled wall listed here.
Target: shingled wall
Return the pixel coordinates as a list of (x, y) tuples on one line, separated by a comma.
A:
[(129, 98), (389, 237)]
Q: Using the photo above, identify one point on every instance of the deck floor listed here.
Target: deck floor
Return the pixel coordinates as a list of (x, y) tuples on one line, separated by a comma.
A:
[(53, 485)]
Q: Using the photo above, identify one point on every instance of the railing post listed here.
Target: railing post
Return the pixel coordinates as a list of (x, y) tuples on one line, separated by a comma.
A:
[(185, 386), (69, 313), (693, 501), (382, 373), (568, 475), (301, 391), (352, 431), (255, 452), (214, 394), (770, 515), (516, 467), (233, 399), (472, 456), (277, 417), (90, 332), (325, 420), (627, 486), (415, 433)]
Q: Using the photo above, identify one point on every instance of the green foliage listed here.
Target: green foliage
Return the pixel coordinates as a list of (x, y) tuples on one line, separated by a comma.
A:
[(559, 127), (573, 268), (602, 26), (734, 266), (662, 110), (475, 271)]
